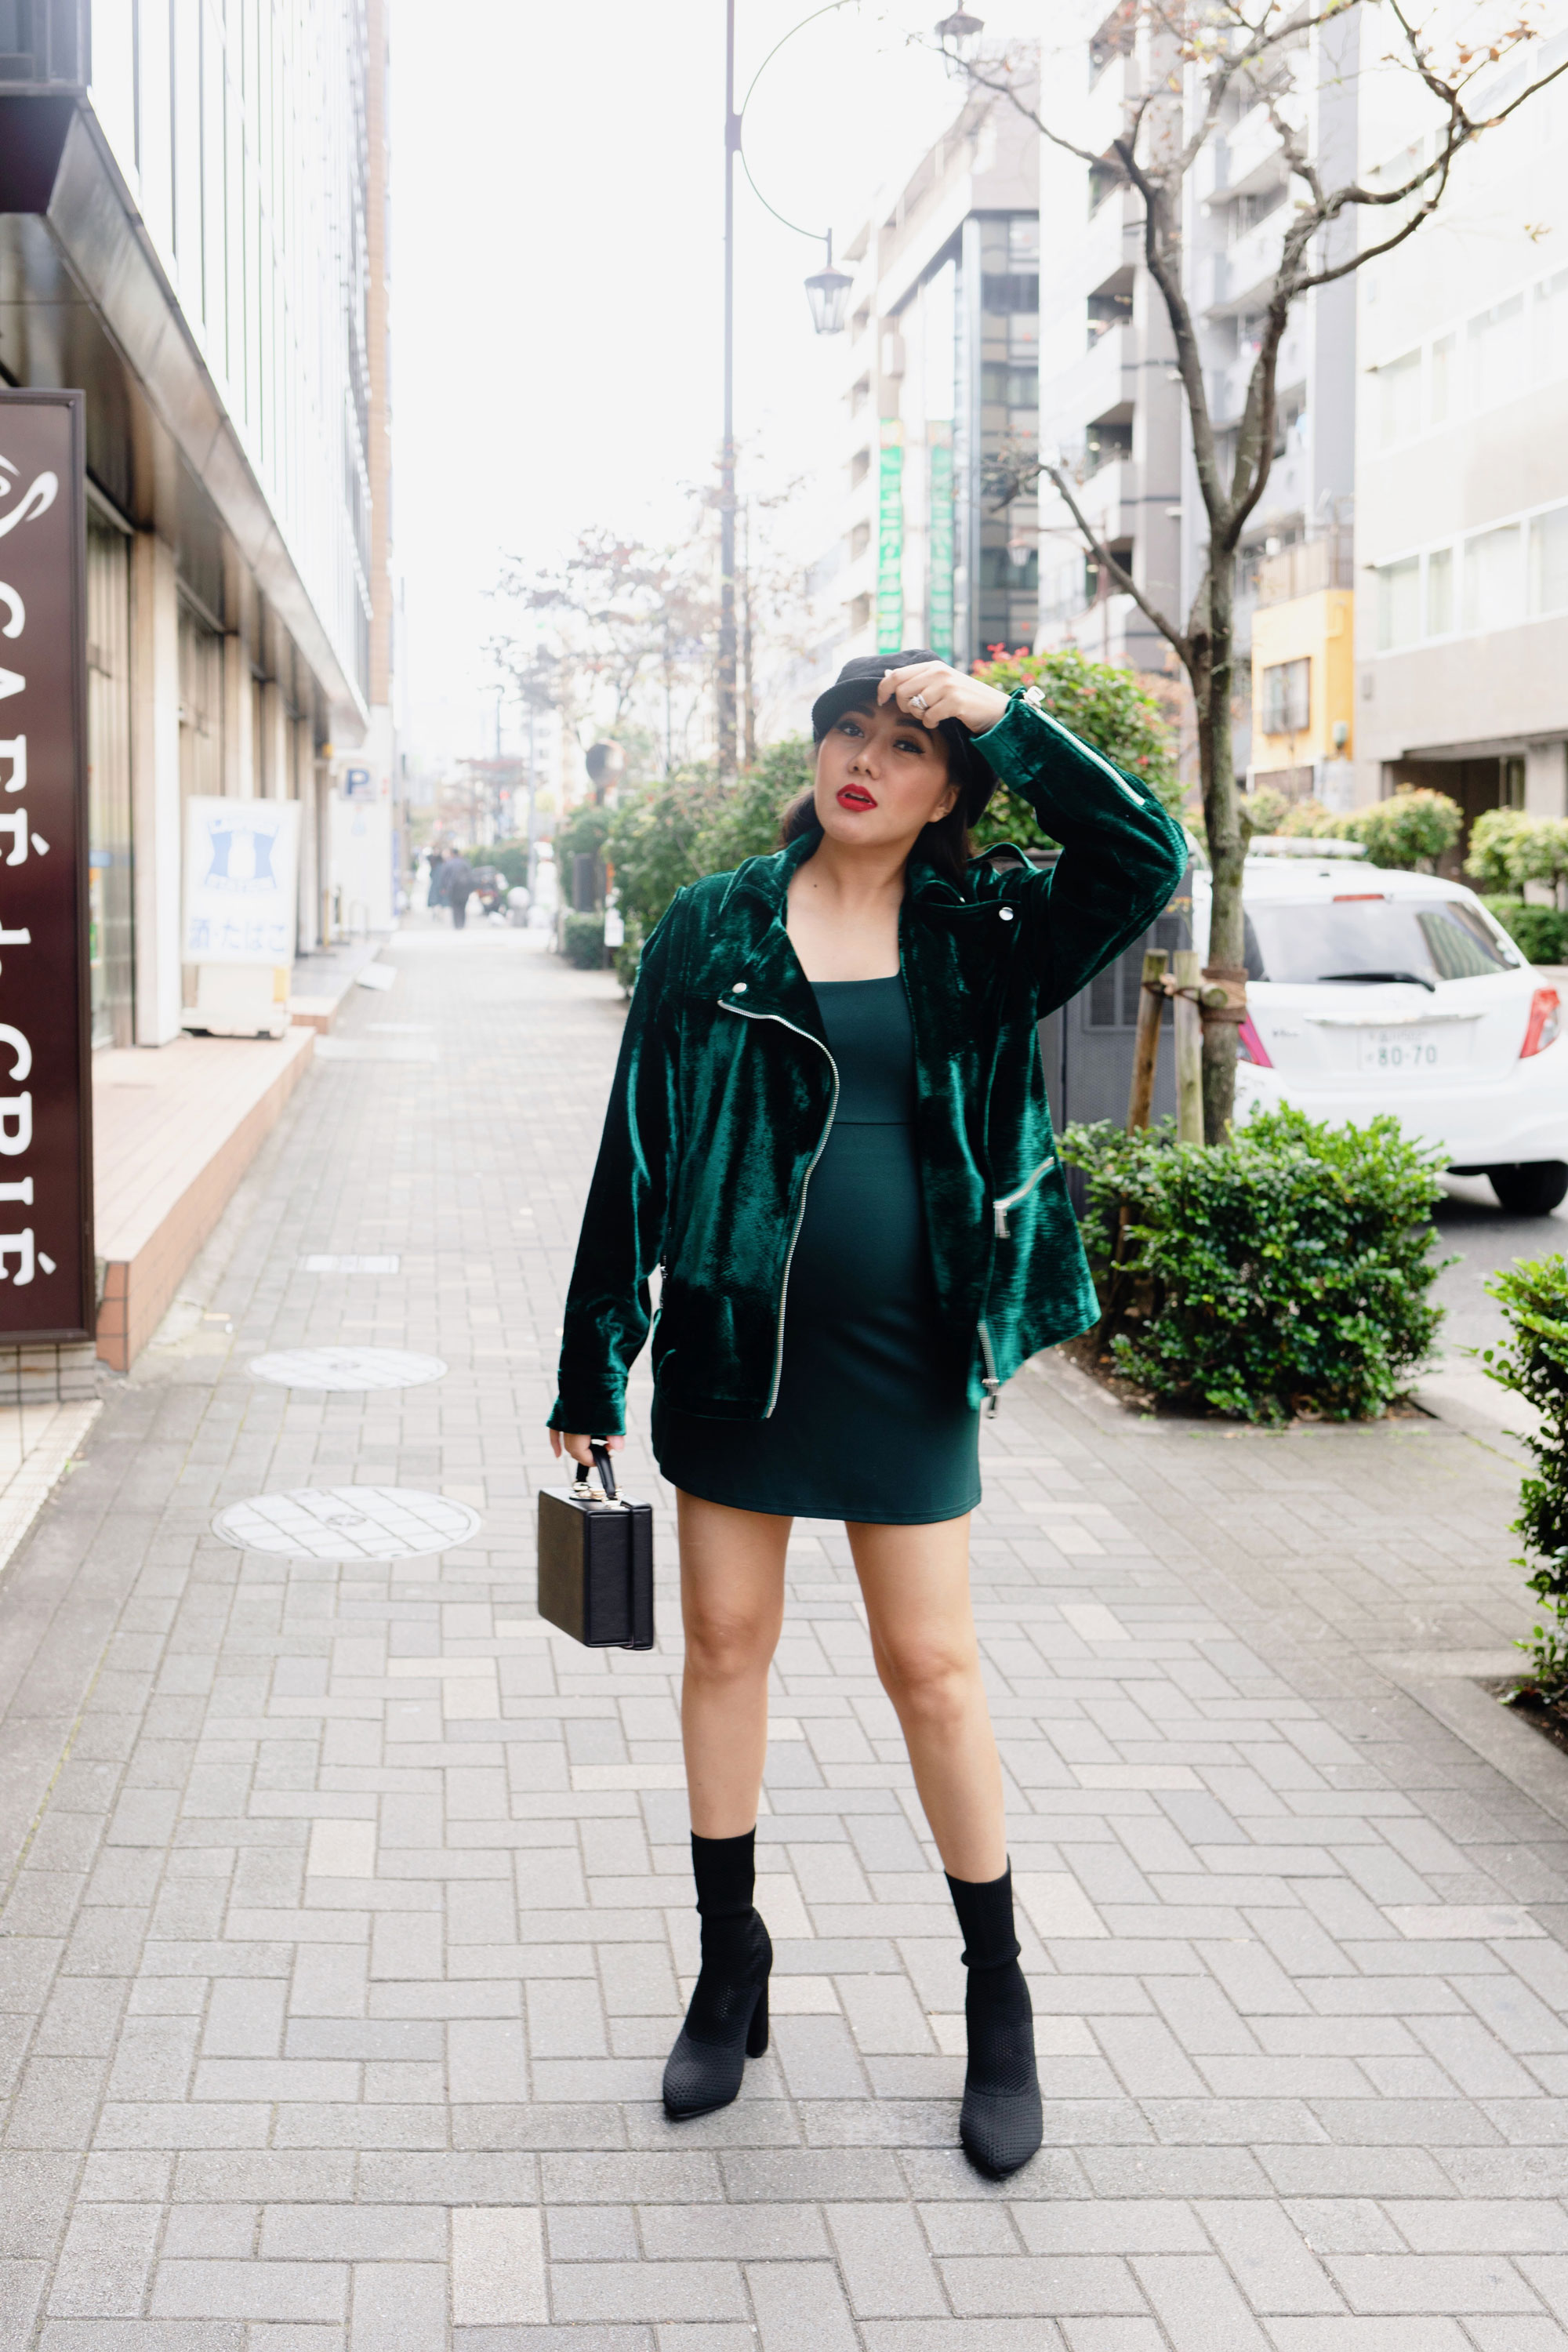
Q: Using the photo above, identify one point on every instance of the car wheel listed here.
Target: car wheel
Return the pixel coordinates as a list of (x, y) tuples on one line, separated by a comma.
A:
[(1530, 1188)]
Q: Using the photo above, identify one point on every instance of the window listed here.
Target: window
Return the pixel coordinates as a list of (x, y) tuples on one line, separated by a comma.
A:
[(1440, 591), (859, 539), (1399, 399), (1549, 329), (1287, 697), (1549, 561), (1498, 353), (1442, 379), (1511, 783), (1398, 604), (1104, 178), (1494, 585), (1009, 387), (1367, 938), (859, 467), (1106, 445), (860, 615)]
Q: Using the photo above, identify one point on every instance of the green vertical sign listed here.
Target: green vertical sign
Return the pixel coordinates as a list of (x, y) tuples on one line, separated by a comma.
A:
[(891, 539), (939, 589)]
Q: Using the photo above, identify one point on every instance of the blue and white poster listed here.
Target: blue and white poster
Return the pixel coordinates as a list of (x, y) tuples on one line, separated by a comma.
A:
[(241, 889)]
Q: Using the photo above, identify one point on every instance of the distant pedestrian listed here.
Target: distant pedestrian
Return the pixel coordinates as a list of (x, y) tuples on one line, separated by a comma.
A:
[(831, 1086), (434, 895), (457, 885)]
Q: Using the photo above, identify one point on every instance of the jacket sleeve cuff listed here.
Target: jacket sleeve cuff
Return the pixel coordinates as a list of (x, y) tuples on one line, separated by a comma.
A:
[(1049, 766), (600, 1412)]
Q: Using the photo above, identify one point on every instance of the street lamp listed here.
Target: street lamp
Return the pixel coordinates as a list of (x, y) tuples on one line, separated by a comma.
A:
[(959, 33), (827, 291)]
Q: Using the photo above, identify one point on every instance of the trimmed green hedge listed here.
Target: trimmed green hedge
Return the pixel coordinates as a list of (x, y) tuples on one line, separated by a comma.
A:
[(584, 942), (1285, 1271), (1540, 933), (1533, 1294)]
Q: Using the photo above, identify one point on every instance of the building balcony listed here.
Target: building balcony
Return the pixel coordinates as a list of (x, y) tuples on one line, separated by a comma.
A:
[(1110, 500), (1247, 159), (1109, 243), (1102, 380), (1104, 110), (1236, 278)]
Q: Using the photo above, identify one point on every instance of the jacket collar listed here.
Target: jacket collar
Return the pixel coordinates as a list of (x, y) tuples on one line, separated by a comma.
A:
[(768, 879)]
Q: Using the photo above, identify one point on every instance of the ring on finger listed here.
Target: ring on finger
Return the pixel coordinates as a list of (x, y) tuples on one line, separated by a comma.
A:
[(917, 702)]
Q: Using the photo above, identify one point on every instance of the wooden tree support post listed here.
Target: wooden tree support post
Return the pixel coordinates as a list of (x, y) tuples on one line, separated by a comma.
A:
[(1146, 1042), (1189, 1047)]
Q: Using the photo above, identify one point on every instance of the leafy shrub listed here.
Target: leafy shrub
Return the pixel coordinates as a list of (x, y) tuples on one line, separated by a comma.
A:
[(583, 832), (1533, 1295), (509, 859), (1309, 820), (584, 941), (1410, 832), (1509, 849), (1284, 1271), (670, 833), (652, 844), (1264, 809), (1540, 933), (1107, 706)]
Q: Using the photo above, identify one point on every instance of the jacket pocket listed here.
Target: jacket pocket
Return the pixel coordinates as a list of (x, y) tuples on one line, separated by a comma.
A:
[(1011, 1200)]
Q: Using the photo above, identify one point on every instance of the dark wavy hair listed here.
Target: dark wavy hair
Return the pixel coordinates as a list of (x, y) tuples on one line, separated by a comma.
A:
[(945, 844)]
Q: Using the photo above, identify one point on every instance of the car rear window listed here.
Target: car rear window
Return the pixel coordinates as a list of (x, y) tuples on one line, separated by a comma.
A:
[(1358, 939)]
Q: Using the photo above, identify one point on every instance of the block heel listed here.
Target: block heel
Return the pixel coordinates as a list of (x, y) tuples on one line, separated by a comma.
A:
[(726, 2023)]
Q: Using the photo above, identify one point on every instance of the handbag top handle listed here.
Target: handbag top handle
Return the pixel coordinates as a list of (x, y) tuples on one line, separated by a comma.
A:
[(601, 1455)]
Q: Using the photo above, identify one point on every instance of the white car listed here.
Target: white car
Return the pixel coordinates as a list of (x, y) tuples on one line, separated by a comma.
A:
[(1369, 991)]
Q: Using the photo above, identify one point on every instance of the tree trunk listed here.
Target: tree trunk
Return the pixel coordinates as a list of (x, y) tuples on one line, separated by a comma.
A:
[(1222, 821)]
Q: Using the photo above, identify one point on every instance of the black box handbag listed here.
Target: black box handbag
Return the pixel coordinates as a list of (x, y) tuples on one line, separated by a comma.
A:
[(595, 1561)]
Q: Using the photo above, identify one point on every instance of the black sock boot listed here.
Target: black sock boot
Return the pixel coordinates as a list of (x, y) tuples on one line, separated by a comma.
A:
[(727, 2021), (1000, 2125)]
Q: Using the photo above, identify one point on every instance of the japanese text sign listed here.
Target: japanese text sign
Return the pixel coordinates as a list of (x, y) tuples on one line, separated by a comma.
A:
[(46, 1286)]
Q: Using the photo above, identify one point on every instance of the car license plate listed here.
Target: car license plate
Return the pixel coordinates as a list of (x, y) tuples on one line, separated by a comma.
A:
[(1400, 1052)]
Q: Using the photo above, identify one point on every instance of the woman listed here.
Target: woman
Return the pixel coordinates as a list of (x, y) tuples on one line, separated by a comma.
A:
[(830, 1095)]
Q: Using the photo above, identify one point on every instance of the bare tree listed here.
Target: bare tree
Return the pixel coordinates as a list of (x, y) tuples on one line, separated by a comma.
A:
[(1204, 58)]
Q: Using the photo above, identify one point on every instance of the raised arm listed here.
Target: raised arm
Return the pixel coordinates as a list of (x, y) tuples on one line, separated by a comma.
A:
[(1121, 858), (622, 1239)]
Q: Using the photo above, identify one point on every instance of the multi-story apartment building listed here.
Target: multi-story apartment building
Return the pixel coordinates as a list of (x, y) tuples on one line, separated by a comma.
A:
[(1462, 438), (1110, 407), (943, 388), (192, 218), (1111, 403)]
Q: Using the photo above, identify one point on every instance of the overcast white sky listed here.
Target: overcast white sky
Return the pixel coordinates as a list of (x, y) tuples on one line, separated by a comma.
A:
[(557, 253)]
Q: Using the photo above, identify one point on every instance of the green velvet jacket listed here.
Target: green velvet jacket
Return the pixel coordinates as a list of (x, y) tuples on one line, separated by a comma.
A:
[(725, 1090)]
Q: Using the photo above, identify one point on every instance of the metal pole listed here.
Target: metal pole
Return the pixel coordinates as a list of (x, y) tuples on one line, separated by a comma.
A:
[(727, 474)]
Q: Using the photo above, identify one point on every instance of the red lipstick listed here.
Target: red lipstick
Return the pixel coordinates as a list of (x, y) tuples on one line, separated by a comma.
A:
[(855, 796)]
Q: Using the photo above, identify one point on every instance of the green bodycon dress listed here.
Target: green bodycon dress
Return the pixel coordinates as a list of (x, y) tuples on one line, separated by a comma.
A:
[(871, 1422)]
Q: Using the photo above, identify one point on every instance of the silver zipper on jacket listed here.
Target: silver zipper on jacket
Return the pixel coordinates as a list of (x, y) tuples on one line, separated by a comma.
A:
[(1011, 1200), (800, 1215), (989, 1381)]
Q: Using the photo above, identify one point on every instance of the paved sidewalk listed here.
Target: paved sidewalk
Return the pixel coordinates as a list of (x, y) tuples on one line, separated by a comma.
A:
[(347, 1914)]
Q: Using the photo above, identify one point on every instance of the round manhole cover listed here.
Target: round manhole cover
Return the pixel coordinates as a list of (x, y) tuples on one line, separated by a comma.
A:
[(347, 1523), (347, 1367)]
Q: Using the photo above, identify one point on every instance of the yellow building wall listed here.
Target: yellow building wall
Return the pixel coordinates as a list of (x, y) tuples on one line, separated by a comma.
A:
[(1321, 629)]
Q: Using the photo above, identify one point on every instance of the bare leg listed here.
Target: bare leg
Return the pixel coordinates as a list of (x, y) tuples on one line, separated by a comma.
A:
[(732, 1601), (915, 1581)]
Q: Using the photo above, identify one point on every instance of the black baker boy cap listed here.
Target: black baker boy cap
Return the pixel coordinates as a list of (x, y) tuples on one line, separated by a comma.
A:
[(855, 689)]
